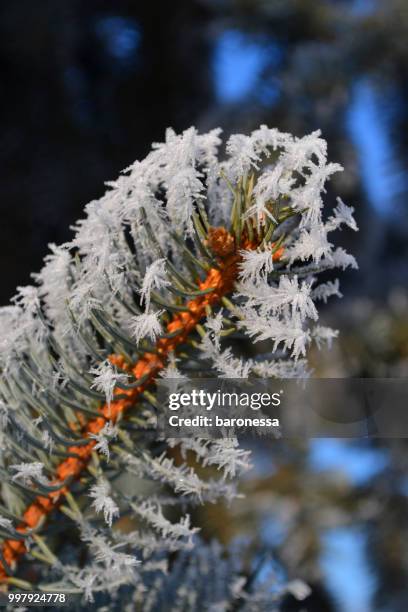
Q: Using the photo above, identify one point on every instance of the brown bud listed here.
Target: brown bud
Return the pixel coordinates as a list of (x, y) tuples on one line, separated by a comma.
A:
[(220, 241)]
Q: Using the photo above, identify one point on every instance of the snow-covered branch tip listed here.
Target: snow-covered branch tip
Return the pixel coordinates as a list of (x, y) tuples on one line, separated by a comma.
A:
[(190, 256)]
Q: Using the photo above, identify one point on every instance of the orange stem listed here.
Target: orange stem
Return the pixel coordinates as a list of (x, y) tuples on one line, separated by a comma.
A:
[(221, 280)]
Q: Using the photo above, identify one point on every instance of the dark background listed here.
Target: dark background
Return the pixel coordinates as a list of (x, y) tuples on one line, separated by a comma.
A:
[(88, 85)]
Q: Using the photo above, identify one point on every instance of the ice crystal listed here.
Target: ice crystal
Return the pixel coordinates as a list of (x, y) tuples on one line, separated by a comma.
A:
[(105, 378), (103, 502), (146, 325)]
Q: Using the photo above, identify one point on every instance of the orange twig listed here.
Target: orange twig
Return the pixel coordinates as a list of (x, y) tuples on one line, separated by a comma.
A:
[(221, 280)]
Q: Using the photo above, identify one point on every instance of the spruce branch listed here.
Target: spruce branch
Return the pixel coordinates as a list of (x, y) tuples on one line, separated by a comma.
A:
[(182, 255)]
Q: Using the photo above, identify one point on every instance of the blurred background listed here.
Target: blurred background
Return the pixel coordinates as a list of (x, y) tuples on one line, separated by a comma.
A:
[(87, 86)]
